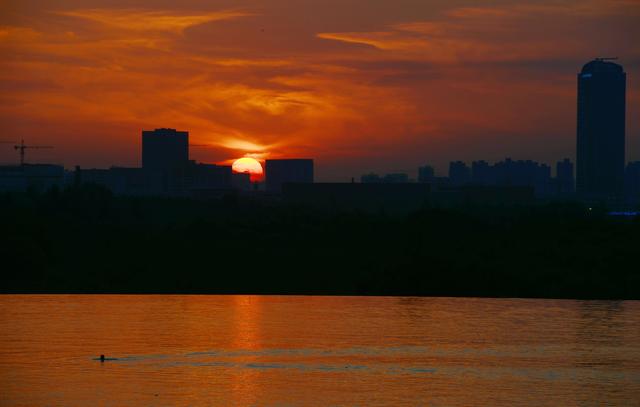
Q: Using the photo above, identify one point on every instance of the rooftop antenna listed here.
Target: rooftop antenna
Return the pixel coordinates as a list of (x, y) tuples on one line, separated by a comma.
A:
[(22, 147)]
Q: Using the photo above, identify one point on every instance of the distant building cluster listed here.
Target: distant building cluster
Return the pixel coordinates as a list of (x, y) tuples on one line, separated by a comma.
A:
[(600, 176), (512, 173), (166, 171), (507, 173)]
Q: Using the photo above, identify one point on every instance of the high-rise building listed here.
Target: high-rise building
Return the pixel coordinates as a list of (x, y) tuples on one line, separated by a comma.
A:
[(165, 149), (564, 177), (632, 182), (482, 173), (278, 172), (601, 130), (459, 173), (426, 174), (165, 160)]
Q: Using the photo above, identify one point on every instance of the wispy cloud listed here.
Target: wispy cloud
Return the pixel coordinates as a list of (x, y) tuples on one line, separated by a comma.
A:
[(16, 34), (151, 20), (489, 33), (420, 80), (594, 8), (383, 40)]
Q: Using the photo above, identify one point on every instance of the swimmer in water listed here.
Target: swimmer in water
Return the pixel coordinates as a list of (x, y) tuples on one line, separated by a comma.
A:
[(102, 358)]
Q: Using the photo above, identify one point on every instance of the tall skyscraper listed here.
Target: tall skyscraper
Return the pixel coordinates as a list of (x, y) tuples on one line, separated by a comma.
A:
[(165, 149), (165, 158), (601, 130)]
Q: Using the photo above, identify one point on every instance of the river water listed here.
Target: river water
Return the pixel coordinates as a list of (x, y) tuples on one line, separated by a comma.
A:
[(316, 351)]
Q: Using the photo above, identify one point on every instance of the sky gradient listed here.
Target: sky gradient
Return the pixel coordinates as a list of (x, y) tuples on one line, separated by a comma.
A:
[(358, 85)]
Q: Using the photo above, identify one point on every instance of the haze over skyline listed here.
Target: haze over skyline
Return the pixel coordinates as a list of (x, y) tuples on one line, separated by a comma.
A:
[(357, 85)]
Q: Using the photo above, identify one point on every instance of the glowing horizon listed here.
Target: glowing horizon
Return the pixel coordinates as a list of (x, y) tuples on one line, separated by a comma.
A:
[(249, 165), (386, 87)]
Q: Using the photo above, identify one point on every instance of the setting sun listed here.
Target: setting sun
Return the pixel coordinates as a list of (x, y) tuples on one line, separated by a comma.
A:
[(250, 165)]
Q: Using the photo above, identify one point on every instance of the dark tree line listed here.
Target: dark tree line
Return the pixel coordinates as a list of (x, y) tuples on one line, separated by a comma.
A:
[(87, 240)]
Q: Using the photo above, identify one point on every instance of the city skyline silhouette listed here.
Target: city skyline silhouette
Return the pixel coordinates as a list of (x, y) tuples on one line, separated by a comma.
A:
[(319, 203), (384, 90), (601, 170)]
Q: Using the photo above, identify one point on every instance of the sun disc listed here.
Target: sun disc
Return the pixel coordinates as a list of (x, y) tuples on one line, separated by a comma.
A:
[(248, 165)]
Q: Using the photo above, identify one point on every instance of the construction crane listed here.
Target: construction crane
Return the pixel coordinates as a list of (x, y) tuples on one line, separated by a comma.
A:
[(21, 147)]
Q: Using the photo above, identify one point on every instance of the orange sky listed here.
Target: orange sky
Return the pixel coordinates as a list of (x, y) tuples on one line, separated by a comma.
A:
[(359, 85)]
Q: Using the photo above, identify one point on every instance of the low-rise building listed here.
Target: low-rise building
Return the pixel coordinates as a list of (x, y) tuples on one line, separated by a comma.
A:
[(38, 177)]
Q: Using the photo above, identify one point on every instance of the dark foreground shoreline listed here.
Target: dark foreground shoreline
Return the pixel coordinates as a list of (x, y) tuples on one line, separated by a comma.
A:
[(88, 241)]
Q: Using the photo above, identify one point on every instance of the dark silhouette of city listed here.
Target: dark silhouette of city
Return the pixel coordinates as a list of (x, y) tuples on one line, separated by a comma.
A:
[(600, 176), (503, 229)]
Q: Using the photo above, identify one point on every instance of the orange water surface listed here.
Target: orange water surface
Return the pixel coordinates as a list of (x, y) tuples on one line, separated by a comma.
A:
[(316, 351)]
